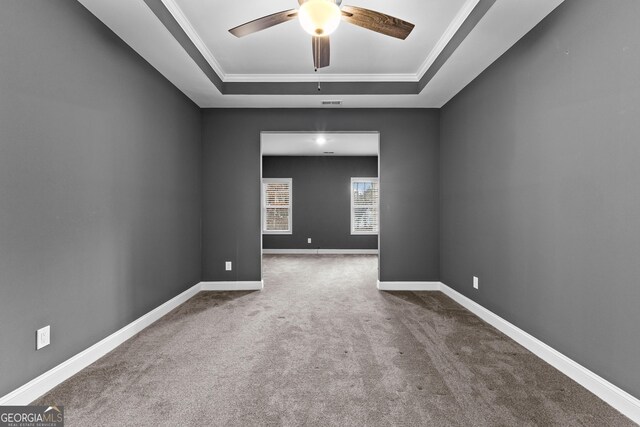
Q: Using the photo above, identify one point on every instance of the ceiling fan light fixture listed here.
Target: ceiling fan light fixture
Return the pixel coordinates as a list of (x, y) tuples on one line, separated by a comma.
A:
[(319, 17)]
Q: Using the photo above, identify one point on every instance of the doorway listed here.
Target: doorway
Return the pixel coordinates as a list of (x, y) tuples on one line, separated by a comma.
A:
[(320, 193)]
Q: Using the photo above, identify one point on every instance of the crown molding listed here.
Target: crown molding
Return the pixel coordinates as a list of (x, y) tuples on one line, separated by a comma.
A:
[(153, 31), (282, 78), (188, 28), (451, 30), (186, 25)]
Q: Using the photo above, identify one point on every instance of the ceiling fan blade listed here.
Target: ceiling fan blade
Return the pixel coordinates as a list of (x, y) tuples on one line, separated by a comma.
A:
[(264, 22), (376, 21), (321, 51)]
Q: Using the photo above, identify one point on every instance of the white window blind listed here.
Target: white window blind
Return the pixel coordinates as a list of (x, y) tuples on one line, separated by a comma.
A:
[(364, 206), (276, 205)]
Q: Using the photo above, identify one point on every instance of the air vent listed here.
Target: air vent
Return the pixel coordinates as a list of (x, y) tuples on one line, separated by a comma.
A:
[(332, 102)]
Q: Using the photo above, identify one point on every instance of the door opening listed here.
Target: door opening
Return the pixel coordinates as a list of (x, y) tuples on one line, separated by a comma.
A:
[(320, 194)]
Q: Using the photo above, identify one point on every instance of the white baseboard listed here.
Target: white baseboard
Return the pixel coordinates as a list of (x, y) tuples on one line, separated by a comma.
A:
[(289, 251), (611, 394), (45, 382), (232, 286), (320, 251), (408, 286), (347, 252)]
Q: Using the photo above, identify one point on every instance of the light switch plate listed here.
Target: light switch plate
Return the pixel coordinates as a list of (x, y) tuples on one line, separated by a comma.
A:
[(43, 337)]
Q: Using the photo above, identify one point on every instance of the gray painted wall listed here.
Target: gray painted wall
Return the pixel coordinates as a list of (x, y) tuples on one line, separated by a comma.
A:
[(321, 200), (540, 179), (408, 195), (99, 181)]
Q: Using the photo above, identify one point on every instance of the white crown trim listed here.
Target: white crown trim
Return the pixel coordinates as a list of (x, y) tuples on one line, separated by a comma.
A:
[(272, 78), (451, 30), (186, 25)]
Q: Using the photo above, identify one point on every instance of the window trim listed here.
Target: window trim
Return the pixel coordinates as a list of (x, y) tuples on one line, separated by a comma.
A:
[(264, 206), (377, 205)]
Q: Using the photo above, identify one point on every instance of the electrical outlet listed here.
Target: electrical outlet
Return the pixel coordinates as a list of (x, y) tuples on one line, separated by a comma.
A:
[(43, 337), (309, 240), (227, 265), (476, 282)]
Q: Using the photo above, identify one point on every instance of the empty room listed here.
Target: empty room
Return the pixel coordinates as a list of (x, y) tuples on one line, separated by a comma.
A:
[(310, 212)]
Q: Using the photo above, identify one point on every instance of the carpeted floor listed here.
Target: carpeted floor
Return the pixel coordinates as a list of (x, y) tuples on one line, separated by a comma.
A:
[(321, 346)]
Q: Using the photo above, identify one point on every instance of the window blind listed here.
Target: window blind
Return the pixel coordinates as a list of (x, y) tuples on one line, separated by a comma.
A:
[(277, 205), (364, 205)]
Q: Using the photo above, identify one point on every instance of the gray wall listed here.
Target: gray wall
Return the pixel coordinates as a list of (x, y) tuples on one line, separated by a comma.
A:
[(321, 201), (408, 194), (99, 185), (540, 186)]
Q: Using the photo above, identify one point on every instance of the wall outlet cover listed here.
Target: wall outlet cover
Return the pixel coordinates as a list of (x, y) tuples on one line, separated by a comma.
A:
[(476, 282), (43, 337), (227, 265), (309, 240)]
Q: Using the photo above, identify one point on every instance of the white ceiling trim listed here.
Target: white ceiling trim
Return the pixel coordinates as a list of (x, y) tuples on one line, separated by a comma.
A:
[(453, 28), (502, 26), (319, 77), (184, 22), (155, 44), (188, 28)]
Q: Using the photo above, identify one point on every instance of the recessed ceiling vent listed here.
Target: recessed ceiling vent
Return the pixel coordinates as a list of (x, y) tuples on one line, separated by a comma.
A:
[(332, 102)]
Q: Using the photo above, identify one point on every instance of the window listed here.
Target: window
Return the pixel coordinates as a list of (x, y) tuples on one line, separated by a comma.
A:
[(364, 206), (276, 205)]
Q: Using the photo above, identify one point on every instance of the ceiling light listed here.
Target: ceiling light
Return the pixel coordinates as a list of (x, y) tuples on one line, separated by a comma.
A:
[(319, 17), (321, 140)]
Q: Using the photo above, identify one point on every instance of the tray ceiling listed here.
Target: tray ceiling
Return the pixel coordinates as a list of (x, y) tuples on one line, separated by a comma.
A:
[(188, 42), (286, 48)]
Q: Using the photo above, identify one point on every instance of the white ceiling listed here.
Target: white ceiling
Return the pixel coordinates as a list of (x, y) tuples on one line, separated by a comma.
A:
[(319, 144), (286, 48), (283, 53)]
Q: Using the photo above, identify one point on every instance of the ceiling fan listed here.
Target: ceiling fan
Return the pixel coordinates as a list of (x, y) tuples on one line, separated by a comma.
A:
[(321, 18)]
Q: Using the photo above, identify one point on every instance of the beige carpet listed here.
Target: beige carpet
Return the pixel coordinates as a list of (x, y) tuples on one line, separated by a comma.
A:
[(321, 346)]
